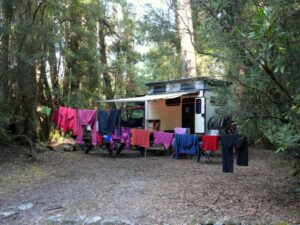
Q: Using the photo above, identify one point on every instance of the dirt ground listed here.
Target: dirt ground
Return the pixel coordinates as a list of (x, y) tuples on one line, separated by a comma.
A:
[(73, 186)]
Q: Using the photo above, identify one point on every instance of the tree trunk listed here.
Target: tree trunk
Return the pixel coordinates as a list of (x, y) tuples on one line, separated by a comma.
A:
[(43, 73), (26, 76), (185, 30), (103, 58), (53, 71), (5, 49), (73, 73)]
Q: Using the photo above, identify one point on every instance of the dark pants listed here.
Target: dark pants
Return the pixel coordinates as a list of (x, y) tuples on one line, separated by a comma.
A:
[(240, 144)]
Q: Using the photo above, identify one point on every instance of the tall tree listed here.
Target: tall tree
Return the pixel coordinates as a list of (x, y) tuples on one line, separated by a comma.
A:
[(7, 15), (186, 32), (107, 76), (25, 70)]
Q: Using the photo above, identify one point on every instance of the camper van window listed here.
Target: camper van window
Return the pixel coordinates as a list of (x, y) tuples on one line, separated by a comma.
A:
[(187, 86), (188, 100), (198, 106), (173, 102), (159, 89), (136, 114)]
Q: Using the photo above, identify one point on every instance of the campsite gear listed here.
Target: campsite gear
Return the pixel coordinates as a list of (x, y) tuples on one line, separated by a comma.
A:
[(86, 117), (67, 119), (55, 116), (108, 123), (99, 138), (241, 146), (62, 114), (114, 121), (140, 137), (242, 158), (46, 110), (213, 132), (180, 130), (124, 139), (163, 138), (102, 122), (210, 143), (186, 144), (177, 130)]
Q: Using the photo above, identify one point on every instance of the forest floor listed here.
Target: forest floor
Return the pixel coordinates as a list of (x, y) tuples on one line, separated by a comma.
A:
[(60, 187)]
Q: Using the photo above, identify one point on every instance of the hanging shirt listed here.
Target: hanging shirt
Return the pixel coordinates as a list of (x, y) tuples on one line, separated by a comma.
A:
[(114, 121), (72, 121), (62, 115), (108, 123), (86, 117), (67, 119)]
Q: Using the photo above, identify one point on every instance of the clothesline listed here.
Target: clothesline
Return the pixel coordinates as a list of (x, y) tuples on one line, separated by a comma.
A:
[(109, 126), (102, 124)]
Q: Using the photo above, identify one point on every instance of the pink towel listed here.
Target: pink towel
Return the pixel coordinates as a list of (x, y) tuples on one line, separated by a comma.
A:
[(86, 117), (163, 138)]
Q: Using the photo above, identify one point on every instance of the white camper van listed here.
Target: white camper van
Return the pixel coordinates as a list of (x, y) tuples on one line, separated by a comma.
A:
[(187, 103)]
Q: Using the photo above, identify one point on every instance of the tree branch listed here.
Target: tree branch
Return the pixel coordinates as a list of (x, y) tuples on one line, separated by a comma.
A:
[(259, 91), (261, 65), (30, 25), (267, 117)]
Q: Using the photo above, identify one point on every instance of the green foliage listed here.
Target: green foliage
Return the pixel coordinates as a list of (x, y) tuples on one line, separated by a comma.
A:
[(255, 45), (285, 136), (162, 59), (259, 45), (162, 63)]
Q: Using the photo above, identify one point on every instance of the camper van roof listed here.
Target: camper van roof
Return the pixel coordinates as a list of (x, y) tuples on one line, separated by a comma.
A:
[(211, 81), (150, 97)]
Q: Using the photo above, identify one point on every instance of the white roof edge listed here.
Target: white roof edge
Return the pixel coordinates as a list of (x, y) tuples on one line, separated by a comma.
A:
[(150, 97)]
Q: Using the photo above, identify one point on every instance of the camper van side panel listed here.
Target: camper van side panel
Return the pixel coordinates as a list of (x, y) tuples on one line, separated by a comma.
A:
[(169, 116)]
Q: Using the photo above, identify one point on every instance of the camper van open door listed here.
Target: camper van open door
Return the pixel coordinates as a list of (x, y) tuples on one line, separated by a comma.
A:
[(200, 115)]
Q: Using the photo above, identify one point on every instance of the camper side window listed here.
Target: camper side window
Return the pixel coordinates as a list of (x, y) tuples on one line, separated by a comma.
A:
[(138, 113), (198, 106), (173, 101)]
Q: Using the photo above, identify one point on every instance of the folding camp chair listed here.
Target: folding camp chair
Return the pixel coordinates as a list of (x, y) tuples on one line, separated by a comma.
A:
[(209, 145)]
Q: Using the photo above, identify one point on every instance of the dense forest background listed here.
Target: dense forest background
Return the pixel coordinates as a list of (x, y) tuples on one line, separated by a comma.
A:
[(74, 52)]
